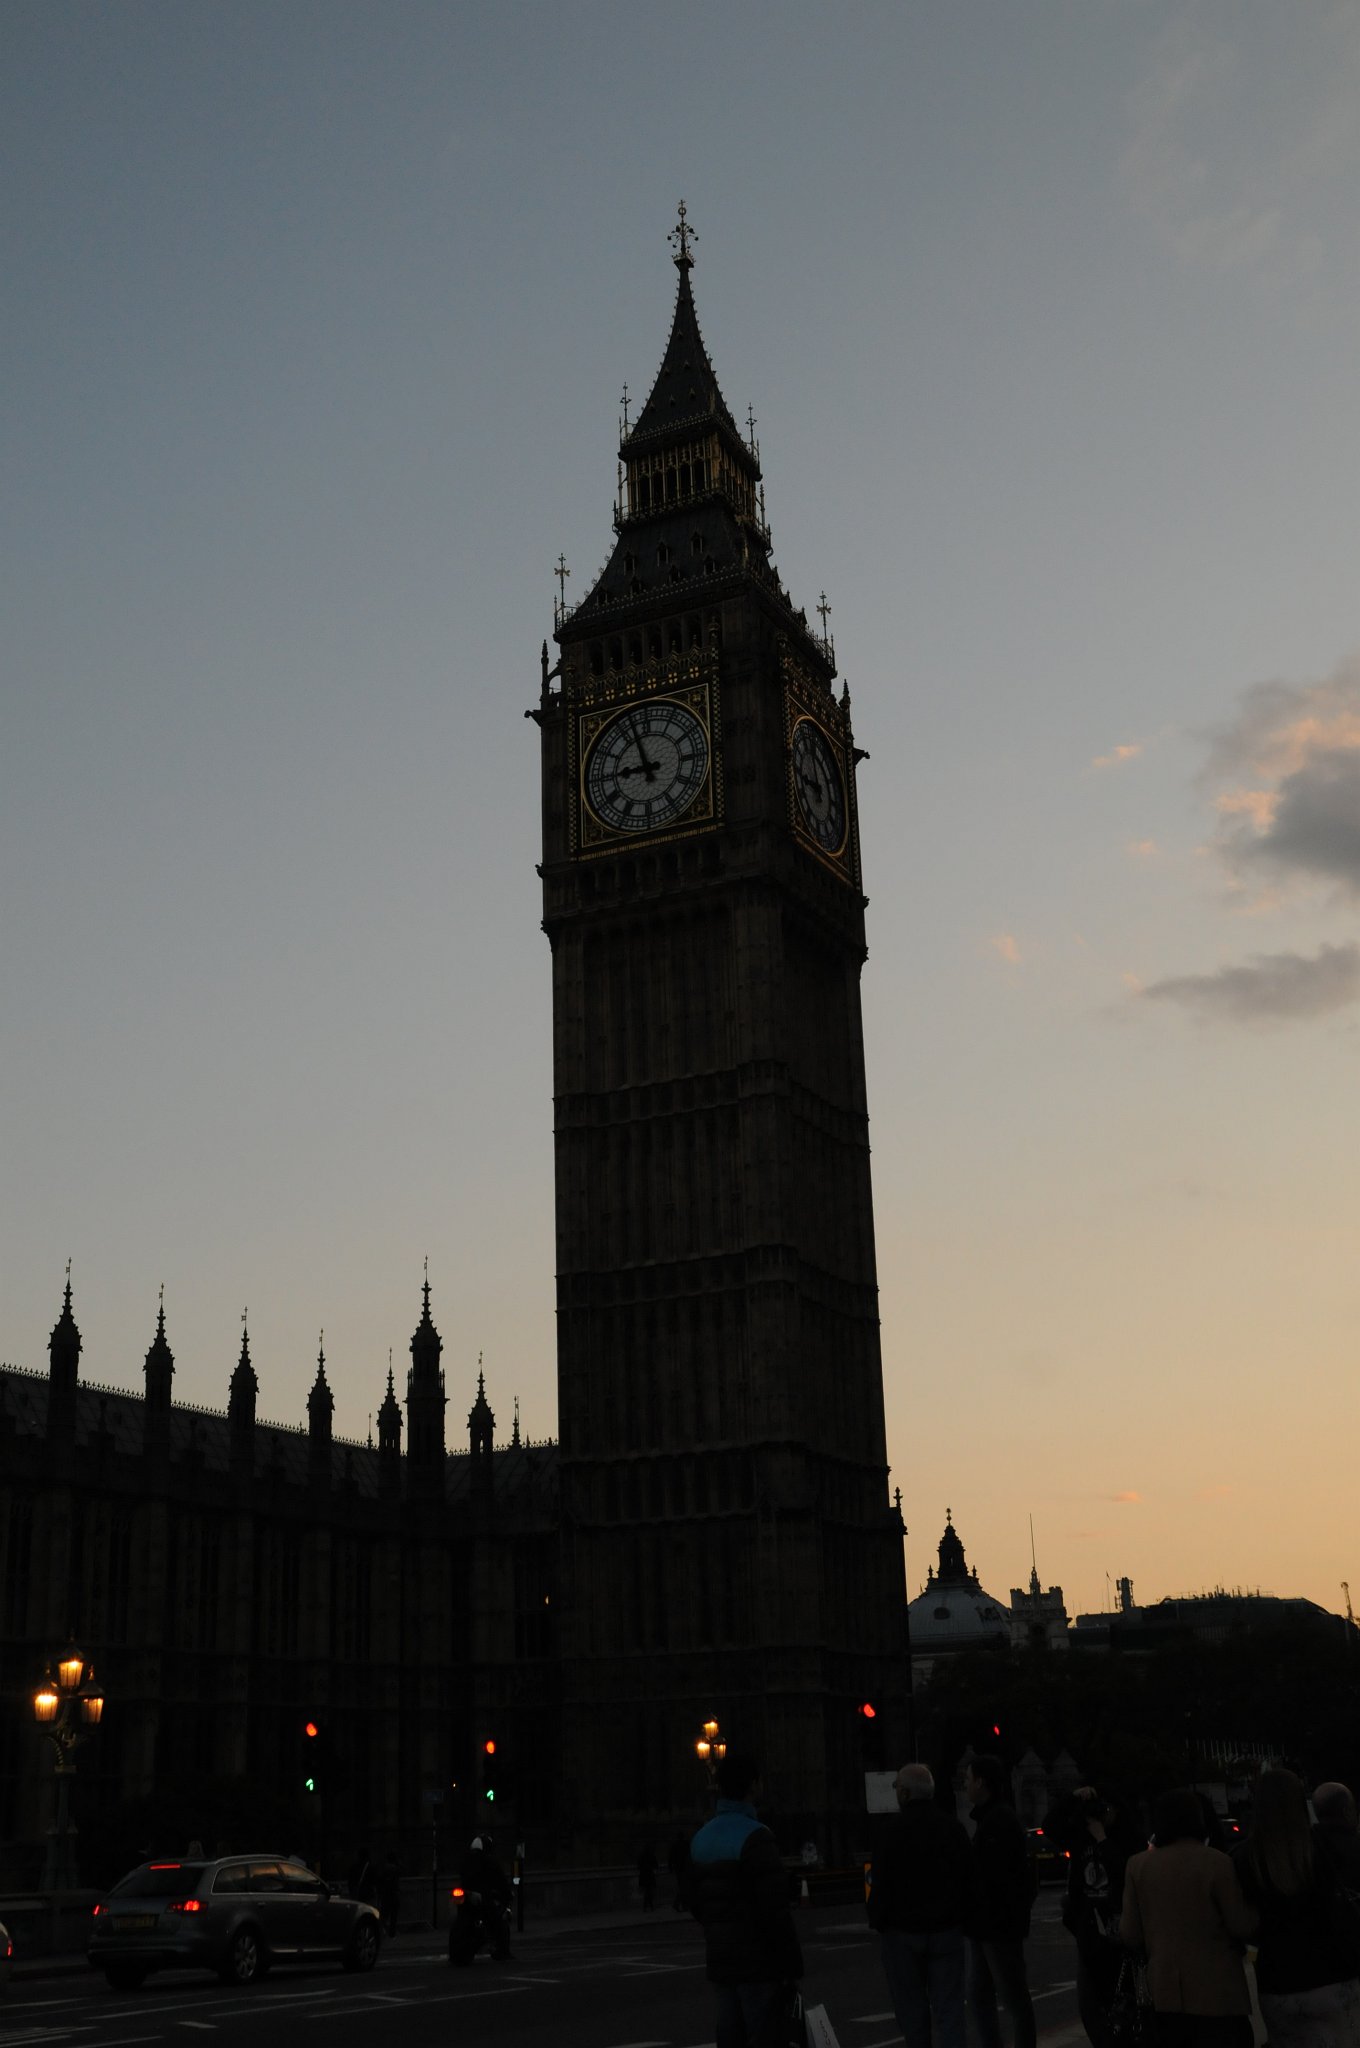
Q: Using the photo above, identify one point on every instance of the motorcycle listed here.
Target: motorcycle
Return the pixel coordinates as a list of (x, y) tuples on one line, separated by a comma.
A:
[(478, 1922)]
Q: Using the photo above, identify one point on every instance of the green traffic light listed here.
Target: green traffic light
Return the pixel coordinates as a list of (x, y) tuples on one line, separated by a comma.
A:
[(309, 1784), (490, 1791)]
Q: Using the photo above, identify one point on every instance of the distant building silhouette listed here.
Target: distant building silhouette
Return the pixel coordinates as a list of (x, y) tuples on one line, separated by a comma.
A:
[(953, 1611), (231, 1577)]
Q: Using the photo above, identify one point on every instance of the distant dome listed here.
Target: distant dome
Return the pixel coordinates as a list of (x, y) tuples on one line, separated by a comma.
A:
[(953, 1611)]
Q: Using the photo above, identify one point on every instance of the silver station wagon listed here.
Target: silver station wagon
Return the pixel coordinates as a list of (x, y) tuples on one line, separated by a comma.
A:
[(237, 1915)]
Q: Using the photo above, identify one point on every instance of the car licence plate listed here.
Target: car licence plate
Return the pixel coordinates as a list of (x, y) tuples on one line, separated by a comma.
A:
[(132, 1923)]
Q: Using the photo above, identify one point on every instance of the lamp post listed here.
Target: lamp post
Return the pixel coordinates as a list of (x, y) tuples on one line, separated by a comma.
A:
[(66, 1710), (710, 1749)]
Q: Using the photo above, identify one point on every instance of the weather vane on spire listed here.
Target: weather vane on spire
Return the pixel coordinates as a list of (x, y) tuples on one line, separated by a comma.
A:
[(680, 237)]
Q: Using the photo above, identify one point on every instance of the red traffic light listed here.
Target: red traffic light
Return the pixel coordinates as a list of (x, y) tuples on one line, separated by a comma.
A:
[(869, 1711), (310, 1730), (996, 1727), (490, 1748)]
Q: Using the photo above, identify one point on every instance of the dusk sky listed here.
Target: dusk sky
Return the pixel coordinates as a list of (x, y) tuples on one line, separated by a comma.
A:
[(316, 320)]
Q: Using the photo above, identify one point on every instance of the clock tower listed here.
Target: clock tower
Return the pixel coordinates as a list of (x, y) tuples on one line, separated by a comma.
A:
[(730, 1548)]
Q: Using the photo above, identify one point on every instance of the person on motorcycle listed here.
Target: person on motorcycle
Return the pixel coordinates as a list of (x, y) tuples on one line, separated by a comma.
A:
[(482, 1874)]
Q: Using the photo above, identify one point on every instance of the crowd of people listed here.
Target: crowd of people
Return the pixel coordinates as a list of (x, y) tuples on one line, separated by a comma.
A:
[(1181, 1941)]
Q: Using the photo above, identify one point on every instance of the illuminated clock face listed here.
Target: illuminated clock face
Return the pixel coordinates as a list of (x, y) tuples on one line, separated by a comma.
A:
[(818, 787), (646, 767)]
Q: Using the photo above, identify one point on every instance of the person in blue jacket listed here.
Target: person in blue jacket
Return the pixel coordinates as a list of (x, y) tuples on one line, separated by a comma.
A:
[(739, 1891)]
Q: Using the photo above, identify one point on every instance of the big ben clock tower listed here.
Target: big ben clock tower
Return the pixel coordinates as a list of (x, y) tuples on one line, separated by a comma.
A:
[(730, 1549)]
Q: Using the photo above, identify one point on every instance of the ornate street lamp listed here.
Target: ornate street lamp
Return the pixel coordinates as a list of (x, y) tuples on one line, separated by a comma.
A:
[(66, 1712), (710, 1749)]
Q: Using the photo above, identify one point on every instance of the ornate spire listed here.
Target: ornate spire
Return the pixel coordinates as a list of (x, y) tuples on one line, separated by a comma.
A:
[(426, 1345), (321, 1401), (389, 1421), (244, 1375), (680, 237), (160, 1363), (64, 1343), (514, 1434), (686, 387), (481, 1421), (953, 1563)]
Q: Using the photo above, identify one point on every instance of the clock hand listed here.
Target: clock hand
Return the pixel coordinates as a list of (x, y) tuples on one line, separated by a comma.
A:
[(649, 768)]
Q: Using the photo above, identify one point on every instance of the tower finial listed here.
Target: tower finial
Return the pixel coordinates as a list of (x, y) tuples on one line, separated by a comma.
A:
[(680, 237), (561, 572)]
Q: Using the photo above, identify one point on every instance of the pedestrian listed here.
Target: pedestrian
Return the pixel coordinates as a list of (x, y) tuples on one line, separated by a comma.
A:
[(1184, 1905), (646, 1870), (918, 1900), (389, 1893), (739, 1893), (1337, 1837), (1093, 1830), (1004, 1889), (482, 1873), (1308, 1943)]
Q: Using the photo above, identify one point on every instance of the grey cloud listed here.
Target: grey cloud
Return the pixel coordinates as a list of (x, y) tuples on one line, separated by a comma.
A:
[(1285, 778), (1316, 825), (1271, 988)]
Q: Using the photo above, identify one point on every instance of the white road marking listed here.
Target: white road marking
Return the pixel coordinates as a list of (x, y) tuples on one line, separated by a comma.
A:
[(870, 2019), (413, 2004), (1055, 1990), (204, 2026)]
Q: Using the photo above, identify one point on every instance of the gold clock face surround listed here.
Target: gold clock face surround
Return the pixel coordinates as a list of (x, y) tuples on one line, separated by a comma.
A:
[(646, 766), (818, 786)]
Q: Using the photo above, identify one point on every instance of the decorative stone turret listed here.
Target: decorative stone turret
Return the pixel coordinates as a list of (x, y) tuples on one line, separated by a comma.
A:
[(63, 1350), (426, 1401), (389, 1440), (481, 1421), (320, 1411), (241, 1410), (160, 1373)]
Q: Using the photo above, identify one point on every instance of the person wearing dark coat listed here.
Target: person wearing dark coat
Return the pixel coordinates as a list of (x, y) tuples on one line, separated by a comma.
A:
[(1099, 1843), (1338, 1830), (1308, 1942), (481, 1872), (919, 1898), (739, 1892), (998, 1921)]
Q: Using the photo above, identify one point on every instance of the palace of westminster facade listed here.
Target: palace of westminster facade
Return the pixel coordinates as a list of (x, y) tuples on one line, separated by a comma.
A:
[(713, 1533)]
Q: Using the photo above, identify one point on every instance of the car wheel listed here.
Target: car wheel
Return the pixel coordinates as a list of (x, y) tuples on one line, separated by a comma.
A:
[(125, 1976), (361, 1952), (244, 1958)]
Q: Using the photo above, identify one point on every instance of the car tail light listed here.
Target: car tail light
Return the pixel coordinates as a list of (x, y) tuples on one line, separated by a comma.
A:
[(163, 1866), (185, 1906), (95, 1911)]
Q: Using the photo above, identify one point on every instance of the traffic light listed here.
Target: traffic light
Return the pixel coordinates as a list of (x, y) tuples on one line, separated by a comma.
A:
[(870, 1735), (312, 1750), (490, 1771)]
